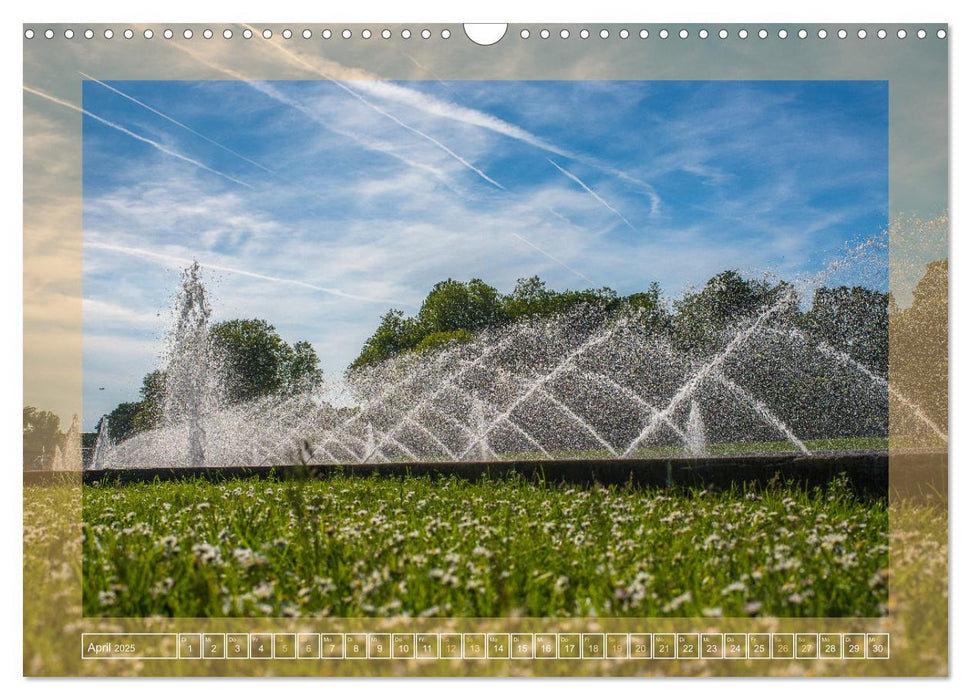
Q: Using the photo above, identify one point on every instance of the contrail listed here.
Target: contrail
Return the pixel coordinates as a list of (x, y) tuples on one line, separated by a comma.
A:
[(592, 193), (176, 122), (648, 189), (373, 86), (370, 144), (554, 259), (368, 103), (137, 137), (274, 94), (449, 110), (421, 134), (174, 260)]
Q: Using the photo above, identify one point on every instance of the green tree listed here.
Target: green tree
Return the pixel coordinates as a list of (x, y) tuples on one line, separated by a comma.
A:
[(258, 362), (395, 334), (435, 341), (531, 297), (454, 306), (122, 420), (701, 317), (854, 320), (303, 371), (454, 311), (152, 393), (653, 312), (42, 433)]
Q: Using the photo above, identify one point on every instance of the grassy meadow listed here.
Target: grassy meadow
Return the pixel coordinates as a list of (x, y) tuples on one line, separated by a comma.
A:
[(347, 547)]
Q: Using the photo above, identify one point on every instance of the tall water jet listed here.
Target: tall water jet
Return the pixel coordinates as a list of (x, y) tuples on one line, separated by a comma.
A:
[(57, 461), (190, 380), (101, 444), (481, 428), (370, 444), (72, 444), (695, 444)]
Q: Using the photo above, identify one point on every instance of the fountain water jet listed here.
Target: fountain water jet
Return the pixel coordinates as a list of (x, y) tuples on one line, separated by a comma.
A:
[(585, 383), (695, 444), (101, 444)]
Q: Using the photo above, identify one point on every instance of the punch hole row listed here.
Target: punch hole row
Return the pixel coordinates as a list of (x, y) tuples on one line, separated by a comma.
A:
[(245, 34), (523, 34), (724, 34)]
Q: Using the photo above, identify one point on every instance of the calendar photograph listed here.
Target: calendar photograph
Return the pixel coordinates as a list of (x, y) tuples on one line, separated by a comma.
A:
[(627, 282), (375, 355)]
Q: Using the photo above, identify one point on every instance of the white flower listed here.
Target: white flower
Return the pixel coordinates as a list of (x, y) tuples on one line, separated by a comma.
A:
[(162, 587), (207, 553), (734, 587), (247, 558), (263, 591), (677, 602), (752, 607)]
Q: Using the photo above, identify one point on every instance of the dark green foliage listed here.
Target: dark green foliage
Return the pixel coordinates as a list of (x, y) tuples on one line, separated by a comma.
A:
[(440, 339), (451, 311), (454, 311), (152, 401), (42, 433), (395, 334), (258, 362), (702, 317), (122, 420), (130, 417), (303, 371), (453, 306), (651, 306), (853, 320), (530, 297)]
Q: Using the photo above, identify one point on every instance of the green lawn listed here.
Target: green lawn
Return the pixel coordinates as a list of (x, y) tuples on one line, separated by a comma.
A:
[(374, 547)]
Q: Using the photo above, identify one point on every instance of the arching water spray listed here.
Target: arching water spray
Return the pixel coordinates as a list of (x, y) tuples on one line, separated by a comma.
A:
[(583, 383)]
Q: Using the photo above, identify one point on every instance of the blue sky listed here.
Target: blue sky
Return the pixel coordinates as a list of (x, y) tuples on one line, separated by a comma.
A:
[(319, 205)]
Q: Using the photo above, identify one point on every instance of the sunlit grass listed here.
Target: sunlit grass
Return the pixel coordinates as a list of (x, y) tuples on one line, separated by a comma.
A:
[(361, 547)]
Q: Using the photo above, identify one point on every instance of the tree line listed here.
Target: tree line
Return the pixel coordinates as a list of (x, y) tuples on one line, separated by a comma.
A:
[(42, 436), (258, 362), (852, 319)]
